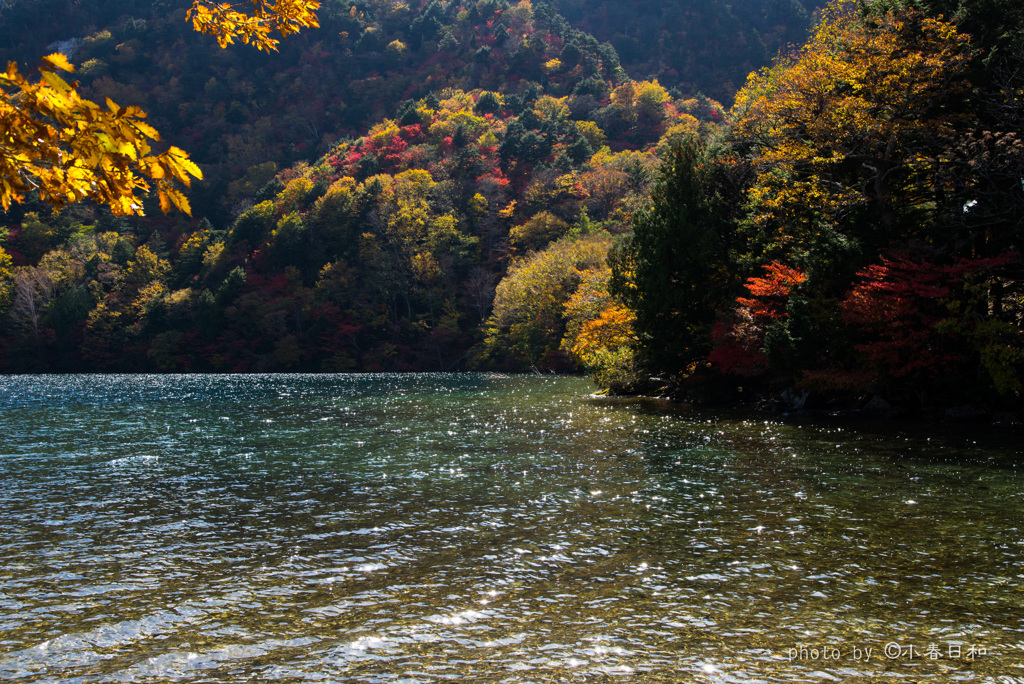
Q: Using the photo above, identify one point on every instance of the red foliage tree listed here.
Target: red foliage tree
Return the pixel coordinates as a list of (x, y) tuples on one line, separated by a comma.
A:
[(739, 341), (911, 314)]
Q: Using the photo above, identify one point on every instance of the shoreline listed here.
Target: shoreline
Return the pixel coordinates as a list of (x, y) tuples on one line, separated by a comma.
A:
[(801, 404)]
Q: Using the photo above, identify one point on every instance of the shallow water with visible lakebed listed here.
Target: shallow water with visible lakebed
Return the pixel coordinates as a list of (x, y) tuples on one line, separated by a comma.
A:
[(490, 528)]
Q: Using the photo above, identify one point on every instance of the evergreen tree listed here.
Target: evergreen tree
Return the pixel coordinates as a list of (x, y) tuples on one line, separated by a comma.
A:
[(674, 271)]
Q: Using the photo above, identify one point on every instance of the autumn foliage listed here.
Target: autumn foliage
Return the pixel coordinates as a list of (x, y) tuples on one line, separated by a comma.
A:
[(399, 249), (878, 230), (920, 320), (68, 148), (768, 295), (739, 340), (225, 22), (482, 185), (856, 126)]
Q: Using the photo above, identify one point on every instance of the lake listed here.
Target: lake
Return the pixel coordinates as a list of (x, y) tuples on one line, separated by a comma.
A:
[(491, 528)]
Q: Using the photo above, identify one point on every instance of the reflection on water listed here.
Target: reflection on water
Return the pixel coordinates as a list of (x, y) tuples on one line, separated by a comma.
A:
[(428, 528)]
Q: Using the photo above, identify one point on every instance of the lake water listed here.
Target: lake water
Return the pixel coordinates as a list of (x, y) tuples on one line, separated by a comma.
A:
[(487, 528)]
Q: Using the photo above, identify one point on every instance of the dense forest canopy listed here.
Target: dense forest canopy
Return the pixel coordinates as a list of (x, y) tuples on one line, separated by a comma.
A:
[(481, 184), (878, 248)]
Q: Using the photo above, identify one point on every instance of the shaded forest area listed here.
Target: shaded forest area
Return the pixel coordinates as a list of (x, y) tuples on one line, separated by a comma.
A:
[(482, 185), (707, 47)]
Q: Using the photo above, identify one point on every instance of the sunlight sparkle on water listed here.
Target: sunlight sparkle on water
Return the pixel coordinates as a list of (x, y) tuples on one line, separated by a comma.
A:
[(332, 528)]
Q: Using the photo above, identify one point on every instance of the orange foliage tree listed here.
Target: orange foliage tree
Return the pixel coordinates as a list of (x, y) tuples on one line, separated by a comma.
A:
[(599, 332), (739, 343)]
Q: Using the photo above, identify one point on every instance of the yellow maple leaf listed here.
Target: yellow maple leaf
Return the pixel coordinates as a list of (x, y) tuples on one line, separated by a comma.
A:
[(58, 60)]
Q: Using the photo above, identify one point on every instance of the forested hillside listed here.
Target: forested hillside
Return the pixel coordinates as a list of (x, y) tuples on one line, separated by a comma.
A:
[(482, 185), (707, 47), (238, 108), (385, 252), (233, 109)]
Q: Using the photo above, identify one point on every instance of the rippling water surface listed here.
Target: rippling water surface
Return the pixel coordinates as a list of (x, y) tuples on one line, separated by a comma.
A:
[(479, 528)]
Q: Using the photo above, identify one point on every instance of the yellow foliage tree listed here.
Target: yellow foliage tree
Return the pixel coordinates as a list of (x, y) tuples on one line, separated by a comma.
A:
[(144, 269), (253, 21), (650, 97), (540, 230), (528, 321), (685, 127), (397, 48), (68, 148), (592, 132), (552, 109), (641, 102), (856, 121), (599, 331), (6, 269)]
